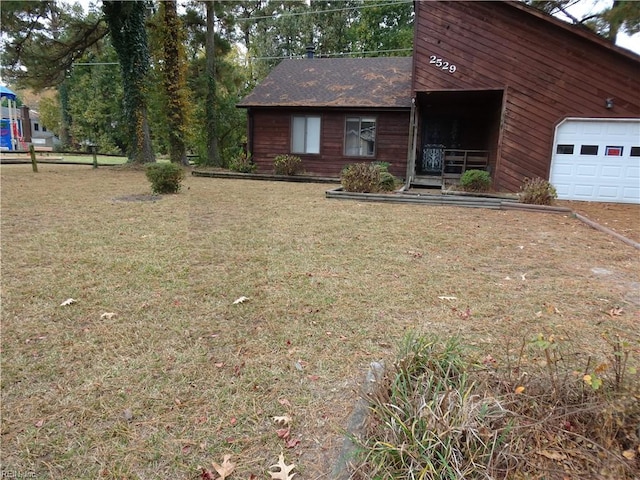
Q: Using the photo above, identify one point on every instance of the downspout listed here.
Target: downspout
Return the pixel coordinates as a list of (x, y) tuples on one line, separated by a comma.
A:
[(411, 147)]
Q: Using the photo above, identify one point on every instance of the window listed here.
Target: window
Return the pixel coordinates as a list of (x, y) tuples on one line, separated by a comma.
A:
[(44, 129), (589, 150), (360, 137), (305, 134), (635, 152), (36, 127), (564, 149), (611, 151)]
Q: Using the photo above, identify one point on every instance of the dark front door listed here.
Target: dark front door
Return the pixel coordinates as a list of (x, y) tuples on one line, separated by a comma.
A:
[(438, 134)]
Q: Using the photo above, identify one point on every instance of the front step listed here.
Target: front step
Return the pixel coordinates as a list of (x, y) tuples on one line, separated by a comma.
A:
[(427, 181)]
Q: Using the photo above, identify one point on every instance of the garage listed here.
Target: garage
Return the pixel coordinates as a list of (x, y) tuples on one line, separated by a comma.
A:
[(597, 160)]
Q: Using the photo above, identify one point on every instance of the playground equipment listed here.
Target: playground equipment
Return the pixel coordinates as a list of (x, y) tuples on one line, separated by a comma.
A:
[(10, 128)]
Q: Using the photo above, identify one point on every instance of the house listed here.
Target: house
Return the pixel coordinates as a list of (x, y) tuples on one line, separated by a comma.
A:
[(331, 112), (21, 126), (494, 85)]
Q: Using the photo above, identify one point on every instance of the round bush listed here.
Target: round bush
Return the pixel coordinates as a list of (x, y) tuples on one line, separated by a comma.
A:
[(475, 181), (537, 191), (165, 177)]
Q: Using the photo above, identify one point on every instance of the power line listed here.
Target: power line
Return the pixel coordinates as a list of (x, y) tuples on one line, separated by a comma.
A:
[(330, 10)]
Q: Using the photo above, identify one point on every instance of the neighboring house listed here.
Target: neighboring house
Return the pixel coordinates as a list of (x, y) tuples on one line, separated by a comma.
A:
[(494, 85)]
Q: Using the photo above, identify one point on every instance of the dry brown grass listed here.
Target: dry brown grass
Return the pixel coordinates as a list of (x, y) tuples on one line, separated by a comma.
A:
[(180, 376)]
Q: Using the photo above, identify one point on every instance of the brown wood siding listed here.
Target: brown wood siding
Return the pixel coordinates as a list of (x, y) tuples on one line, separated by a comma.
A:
[(271, 137), (548, 74)]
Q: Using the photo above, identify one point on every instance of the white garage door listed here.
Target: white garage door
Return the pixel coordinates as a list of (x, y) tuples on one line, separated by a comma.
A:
[(597, 160)]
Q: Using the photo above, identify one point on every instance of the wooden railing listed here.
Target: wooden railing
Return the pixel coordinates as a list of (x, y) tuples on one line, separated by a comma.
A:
[(456, 162)]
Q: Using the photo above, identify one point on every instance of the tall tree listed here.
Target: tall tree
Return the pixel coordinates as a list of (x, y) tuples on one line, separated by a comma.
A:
[(213, 157), (126, 21), (174, 79)]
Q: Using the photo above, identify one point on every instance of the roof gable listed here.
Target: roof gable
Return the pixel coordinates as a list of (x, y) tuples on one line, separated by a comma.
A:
[(378, 82)]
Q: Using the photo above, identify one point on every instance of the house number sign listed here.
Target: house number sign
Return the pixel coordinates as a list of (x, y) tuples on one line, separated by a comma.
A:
[(442, 64)]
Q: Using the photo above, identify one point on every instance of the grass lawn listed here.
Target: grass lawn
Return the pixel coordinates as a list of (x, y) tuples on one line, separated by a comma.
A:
[(154, 372)]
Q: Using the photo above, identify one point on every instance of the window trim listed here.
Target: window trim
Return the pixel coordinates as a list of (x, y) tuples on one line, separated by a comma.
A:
[(360, 118), (306, 142)]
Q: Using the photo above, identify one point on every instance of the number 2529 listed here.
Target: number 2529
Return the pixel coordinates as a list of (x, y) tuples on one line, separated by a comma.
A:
[(442, 64)]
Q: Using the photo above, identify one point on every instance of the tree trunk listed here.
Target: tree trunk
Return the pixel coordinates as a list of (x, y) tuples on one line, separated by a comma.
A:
[(174, 81), (126, 22), (212, 140)]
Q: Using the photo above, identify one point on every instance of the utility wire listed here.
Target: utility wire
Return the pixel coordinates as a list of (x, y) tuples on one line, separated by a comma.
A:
[(278, 16)]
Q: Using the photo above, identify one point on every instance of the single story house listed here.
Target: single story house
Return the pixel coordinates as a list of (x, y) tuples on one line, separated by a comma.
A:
[(494, 85)]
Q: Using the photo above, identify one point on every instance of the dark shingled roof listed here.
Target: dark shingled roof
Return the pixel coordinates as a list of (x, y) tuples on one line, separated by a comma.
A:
[(381, 82)]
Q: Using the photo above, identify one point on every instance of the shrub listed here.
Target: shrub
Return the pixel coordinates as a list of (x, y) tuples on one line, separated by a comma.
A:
[(165, 177), (537, 191), (367, 178), (475, 181), (287, 164), (242, 163)]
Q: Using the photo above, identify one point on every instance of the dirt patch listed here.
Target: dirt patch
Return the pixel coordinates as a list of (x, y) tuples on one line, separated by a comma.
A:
[(622, 218)]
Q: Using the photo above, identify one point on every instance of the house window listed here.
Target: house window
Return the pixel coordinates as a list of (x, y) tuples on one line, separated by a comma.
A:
[(360, 137), (635, 152), (589, 150), (564, 149), (44, 129), (611, 151), (36, 127), (305, 134)]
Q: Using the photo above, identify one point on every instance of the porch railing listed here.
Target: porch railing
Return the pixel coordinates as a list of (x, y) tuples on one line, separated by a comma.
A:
[(456, 162)]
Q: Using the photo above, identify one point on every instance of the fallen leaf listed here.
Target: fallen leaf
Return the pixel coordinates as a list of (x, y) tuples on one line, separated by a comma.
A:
[(629, 454), (226, 468), (39, 423), (283, 433), (68, 301), (233, 421), (446, 297), (552, 455), (283, 420), (519, 389), (108, 315), (292, 442), (240, 300), (283, 474), (616, 312), (284, 402)]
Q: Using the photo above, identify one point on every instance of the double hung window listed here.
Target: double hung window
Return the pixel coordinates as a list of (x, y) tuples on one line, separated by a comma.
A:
[(360, 137), (305, 134)]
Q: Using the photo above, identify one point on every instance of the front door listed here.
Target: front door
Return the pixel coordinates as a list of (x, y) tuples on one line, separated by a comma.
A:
[(438, 134)]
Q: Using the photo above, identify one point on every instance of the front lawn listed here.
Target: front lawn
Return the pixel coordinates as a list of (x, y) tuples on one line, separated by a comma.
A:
[(155, 371)]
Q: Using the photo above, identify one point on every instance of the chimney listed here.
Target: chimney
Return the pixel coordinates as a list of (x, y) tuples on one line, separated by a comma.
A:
[(311, 50)]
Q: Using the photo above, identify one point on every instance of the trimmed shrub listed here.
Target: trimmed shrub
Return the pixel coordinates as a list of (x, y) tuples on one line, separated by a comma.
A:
[(367, 178), (242, 163), (475, 181), (537, 191), (287, 164), (165, 177)]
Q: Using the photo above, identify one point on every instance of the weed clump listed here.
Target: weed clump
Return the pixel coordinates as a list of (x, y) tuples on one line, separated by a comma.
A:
[(537, 191), (287, 164), (242, 163), (165, 177), (367, 178), (445, 416), (475, 181)]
